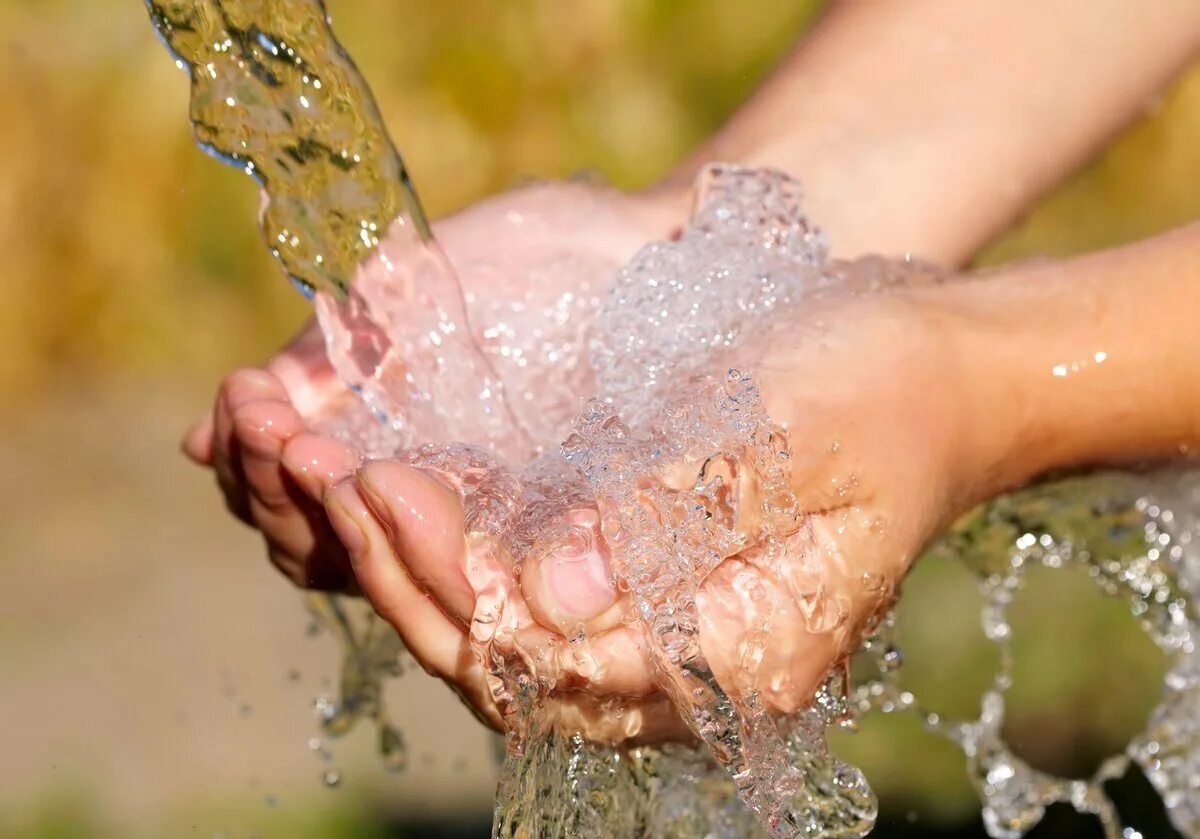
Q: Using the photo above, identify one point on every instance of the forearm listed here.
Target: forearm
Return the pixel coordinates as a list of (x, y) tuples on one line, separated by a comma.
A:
[(927, 126), (1092, 361)]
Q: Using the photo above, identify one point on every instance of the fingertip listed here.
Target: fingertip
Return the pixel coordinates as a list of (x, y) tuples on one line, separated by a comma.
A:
[(573, 583), (197, 442)]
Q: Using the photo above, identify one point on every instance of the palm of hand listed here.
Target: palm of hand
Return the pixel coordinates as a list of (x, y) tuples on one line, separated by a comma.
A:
[(527, 255), (537, 260), (872, 475), (533, 265)]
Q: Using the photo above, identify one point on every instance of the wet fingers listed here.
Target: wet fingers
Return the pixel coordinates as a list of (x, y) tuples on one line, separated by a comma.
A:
[(239, 387), (424, 522), (197, 443), (572, 584), (438, 644)]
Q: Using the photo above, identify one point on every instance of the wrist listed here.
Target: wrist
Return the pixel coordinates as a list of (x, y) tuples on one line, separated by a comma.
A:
[(995, 363)]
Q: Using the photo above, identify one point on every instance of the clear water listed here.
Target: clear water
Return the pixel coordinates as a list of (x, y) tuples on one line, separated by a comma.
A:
[(273, 93), (655, 383)]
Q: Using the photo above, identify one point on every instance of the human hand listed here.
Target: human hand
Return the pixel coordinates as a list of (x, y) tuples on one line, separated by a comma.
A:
[(546, 252), (871, 393)]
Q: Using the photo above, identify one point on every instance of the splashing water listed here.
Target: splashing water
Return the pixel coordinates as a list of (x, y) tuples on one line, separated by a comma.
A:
[(274, 94), (1138, 538)]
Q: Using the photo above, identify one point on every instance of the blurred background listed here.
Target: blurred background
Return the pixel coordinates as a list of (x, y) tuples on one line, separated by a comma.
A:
[(156, 679)]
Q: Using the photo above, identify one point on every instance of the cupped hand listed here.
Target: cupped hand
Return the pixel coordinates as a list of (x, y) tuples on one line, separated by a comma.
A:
[(553, 246), (870, 392)]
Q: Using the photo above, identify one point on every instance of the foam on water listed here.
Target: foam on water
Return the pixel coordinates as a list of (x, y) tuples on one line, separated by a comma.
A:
[(670, 429)]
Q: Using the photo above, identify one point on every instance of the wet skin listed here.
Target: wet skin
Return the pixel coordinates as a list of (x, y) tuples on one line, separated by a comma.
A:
[(903, 409)]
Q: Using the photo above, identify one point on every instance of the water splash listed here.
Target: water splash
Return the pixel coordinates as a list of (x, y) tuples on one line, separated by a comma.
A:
[(676, 312), (370, 658), (1138, 538), (274, 94)]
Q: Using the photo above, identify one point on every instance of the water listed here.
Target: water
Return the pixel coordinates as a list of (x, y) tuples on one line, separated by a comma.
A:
[(656, 382), (1138, 538), (370, 656), (273, 93)]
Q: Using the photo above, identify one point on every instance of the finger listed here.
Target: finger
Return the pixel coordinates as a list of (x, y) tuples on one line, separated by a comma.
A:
[(304, 370), (262, 429), (438, 645), (197, 443), (754, 640), (299, 539), (315, 463), (650, 720), (239, 387), (572, 583), (778, 626), (227, 461), (424, 522), (288, 484), (617, 662)]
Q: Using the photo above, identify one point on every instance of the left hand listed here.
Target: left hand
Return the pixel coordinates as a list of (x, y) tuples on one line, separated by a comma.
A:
[(546, 249), (875, 402)]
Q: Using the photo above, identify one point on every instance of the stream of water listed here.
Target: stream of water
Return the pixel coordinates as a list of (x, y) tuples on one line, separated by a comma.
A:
[(274, 94)]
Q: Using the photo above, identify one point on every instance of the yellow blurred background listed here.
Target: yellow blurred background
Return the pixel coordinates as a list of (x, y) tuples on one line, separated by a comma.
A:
[(155, 677)]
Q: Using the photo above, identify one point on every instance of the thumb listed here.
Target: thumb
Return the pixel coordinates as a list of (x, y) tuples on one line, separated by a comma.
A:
[(571, 584)]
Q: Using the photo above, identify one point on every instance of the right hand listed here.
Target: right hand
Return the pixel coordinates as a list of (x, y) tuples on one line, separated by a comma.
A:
[(506, 248)]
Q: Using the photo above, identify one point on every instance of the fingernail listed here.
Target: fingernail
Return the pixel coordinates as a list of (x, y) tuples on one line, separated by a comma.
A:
[(581, 584), (345, 521)]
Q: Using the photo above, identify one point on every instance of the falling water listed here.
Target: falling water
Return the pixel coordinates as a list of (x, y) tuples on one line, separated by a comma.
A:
[(274, 94)]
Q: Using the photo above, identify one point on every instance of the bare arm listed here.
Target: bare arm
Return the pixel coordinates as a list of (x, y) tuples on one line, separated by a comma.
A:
[(927, 126), (1092, 361)]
